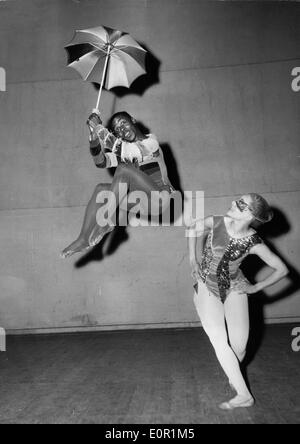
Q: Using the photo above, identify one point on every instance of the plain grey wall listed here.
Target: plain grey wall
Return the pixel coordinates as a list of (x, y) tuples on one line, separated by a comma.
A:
[(224, 106)]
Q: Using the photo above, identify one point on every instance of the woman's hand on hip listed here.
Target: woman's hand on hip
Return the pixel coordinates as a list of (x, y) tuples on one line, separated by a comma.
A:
[(196, 271), (244, 287)]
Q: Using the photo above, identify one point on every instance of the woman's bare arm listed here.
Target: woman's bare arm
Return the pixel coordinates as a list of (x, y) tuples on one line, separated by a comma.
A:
[(194, 234), (273, 261), (280, 270)]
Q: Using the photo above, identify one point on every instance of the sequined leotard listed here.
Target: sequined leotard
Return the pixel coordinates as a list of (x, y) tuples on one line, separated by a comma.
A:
[(222, 257)]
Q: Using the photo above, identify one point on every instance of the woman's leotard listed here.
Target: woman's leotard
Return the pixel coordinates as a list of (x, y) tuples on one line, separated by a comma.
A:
[(222, 257)]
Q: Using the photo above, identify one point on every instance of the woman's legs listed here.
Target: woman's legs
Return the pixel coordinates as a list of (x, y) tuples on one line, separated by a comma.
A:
[(237, 319), (212, 315), (134, 180)]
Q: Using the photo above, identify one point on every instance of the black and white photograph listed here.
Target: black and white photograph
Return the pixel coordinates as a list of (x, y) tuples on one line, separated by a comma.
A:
[(149, 214)]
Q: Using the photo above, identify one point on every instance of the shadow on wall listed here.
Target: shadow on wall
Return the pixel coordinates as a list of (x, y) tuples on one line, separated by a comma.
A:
[(252, 265)]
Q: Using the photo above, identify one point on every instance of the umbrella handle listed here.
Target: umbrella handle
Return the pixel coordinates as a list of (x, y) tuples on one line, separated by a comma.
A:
[(103, 78)]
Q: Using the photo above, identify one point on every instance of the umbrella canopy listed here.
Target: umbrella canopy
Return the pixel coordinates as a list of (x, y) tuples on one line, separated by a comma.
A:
[(106, 56)]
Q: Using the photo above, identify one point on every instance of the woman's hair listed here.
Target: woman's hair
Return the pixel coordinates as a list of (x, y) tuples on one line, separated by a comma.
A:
[(119, 115), (261, 210)]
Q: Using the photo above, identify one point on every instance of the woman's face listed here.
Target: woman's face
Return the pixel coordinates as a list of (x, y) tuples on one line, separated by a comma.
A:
[(241, 209), (124, 128)]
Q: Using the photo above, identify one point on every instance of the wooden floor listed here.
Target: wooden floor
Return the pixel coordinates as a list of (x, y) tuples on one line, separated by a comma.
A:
[(149, 377)]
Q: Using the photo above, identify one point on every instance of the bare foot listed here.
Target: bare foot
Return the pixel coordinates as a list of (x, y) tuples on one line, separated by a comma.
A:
[(75, 247), (98, 233)]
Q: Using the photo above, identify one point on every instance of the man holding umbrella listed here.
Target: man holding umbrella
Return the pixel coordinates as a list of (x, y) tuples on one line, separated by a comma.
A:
[(116, 58), (140, 167)]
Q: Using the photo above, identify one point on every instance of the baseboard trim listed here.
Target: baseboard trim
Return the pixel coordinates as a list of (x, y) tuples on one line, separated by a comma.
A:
[(124, 327)]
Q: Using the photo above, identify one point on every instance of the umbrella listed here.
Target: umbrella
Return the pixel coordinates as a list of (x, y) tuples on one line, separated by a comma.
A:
[(107, 54)]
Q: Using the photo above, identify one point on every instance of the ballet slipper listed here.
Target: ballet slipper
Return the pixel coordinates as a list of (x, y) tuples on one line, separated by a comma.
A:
[(237, 402)]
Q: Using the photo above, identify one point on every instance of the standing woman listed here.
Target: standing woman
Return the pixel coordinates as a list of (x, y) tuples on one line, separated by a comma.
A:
[(221, 290)]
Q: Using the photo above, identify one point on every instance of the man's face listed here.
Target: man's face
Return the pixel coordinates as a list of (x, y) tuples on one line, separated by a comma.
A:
[(124, 128)]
